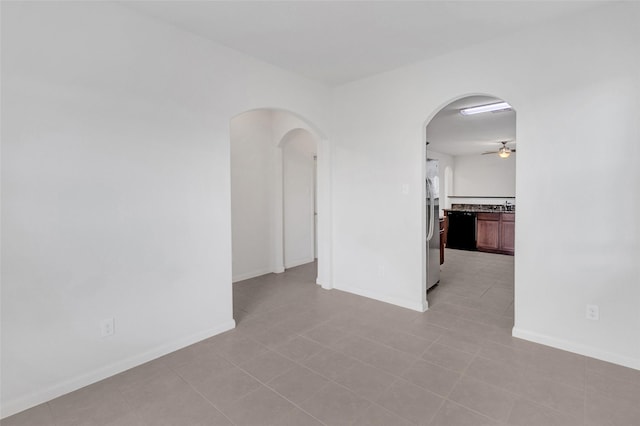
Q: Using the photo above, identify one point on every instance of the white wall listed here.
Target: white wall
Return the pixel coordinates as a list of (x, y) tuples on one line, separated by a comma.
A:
[(115, 188), (253, 196), (575, 86), (484, 176), (476, 177), (299, 148)]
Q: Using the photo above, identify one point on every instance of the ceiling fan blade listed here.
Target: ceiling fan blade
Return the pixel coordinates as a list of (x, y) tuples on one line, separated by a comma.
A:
[(489, 152)]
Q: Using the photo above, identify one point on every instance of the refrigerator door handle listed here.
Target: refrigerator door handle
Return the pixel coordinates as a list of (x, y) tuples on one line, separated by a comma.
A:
[(431, 210)]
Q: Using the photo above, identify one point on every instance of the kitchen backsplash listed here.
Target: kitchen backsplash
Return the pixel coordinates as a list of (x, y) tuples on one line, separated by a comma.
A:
[(484, 207)]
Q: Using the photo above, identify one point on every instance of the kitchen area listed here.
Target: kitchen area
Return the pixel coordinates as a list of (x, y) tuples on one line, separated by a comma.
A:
[(483, 227), (470, 188)]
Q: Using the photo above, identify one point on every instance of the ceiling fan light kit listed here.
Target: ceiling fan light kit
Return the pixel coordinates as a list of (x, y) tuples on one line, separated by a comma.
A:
[(503, 152), (500, 106)]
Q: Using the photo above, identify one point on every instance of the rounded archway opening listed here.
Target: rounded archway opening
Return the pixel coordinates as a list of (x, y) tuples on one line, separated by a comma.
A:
[(470, 200), (279, 194)]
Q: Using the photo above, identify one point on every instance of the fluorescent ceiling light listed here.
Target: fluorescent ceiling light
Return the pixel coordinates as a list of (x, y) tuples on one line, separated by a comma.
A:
[(485, 108)]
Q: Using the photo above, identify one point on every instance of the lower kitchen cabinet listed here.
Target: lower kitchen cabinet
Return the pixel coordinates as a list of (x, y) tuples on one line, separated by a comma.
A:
[(507, 232), (488, 228), (496, 232), (442, 239)]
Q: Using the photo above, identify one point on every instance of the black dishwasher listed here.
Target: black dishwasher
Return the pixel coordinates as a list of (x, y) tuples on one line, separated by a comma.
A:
[(462, 230)]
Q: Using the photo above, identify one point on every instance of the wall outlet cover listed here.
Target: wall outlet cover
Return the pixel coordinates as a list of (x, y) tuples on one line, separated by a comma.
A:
[(107, 327), (593, 312)]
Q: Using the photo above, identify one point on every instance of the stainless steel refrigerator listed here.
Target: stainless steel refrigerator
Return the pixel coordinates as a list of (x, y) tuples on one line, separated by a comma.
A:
[(433, 223)]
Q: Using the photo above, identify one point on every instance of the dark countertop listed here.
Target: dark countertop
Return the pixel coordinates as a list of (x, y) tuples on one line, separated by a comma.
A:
[(482, 208), (478, 211)]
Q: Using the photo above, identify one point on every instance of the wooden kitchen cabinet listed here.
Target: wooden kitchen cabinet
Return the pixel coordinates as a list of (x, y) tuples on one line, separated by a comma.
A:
[(496, 232), (507, 232), (488, 232)]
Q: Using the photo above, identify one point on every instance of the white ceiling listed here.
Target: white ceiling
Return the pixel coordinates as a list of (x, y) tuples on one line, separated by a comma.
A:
[(452, 133), (340, 41), (335, 42)]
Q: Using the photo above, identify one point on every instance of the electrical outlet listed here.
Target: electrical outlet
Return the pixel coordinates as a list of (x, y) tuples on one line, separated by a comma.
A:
[(107, 327), (405, 189), (381, 270), (593, 312)]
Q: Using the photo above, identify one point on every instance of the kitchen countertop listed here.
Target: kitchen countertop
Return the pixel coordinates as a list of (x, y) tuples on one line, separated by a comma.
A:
[(481, 208)]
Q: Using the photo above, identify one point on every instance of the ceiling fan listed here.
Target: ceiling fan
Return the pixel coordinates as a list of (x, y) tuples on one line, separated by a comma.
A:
[(503, 152)]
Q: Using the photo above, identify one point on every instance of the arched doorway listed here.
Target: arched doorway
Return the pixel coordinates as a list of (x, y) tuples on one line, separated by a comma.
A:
[(475, 197), (263, 141)]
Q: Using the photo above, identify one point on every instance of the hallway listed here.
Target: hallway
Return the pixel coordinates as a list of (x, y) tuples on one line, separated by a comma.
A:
[(301, 355)]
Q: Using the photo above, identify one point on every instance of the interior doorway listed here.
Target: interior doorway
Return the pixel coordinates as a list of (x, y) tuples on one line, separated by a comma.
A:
[(299, 150), (279, 195), (473, 142)]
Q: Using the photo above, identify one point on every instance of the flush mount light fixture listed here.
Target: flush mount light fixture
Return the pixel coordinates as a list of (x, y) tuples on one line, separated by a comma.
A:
[(485, 108)]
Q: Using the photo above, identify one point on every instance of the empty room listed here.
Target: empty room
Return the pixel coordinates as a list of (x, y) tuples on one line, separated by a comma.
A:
[(320, 213)]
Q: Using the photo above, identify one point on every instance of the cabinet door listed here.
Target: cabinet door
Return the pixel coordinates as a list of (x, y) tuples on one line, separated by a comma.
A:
[(507, 237), (488, 234)]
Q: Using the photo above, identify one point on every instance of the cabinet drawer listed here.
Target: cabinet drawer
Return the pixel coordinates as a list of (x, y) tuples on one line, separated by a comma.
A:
[(488, 216), (508, 217)]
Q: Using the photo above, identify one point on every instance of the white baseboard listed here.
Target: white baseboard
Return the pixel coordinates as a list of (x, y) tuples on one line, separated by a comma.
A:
[(299, 262), (257, 273), (272, 270), (415, 306), (25, 402), (577, 348), (324, 284)]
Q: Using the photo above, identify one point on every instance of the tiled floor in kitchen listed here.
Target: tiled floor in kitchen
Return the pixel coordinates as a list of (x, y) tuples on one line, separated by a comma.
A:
[(301, 355)]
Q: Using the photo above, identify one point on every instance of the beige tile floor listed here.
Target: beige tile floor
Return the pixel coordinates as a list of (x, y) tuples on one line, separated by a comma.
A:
[(301, 355)]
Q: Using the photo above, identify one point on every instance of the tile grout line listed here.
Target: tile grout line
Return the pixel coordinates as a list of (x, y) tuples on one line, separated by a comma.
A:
[(200, 393), (519, 396), (462, 375), (51, 416), (396, 378), (529, 371), (418, 358), (265, 384)]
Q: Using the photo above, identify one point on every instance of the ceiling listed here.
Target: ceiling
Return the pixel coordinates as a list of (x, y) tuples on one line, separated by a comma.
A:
[(452, 133), (335, 42)]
